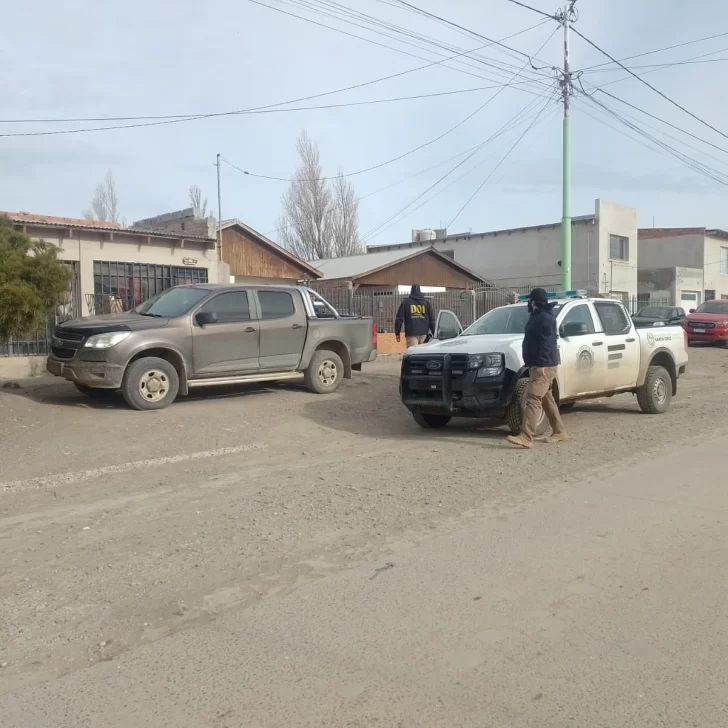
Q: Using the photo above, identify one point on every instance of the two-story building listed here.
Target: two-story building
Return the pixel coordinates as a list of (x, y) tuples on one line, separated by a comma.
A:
[(603, 258), (685, 266)]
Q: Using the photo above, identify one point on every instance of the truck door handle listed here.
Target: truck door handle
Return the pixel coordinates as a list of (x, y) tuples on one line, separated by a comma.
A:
[(296, 326), (629, 341), (249, 330), (597, 343)]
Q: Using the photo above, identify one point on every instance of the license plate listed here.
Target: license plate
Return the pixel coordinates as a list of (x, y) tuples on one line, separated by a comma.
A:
[(699, 331)]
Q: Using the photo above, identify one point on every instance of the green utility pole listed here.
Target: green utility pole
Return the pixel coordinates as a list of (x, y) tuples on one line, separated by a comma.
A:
[(566, 17)]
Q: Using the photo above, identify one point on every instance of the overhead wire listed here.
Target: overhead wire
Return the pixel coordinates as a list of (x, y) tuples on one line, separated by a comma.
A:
[(338, 11), (194, 117), (695, 165), (397, 158), (658, 50), (468, 31), (369, 40), (500, 163), (389, 221), (648, 84)]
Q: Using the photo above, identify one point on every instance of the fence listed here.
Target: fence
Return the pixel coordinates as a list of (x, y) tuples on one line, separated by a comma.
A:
[(38, 344), (467, 305)]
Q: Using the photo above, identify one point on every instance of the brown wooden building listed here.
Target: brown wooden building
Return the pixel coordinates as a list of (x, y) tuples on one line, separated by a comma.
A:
[(387, 270), (253, 258)]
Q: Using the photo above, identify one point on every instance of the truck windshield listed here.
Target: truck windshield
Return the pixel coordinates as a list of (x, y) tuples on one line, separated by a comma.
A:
[(657, 312), (504, 320), (720, 307), (172, 302)]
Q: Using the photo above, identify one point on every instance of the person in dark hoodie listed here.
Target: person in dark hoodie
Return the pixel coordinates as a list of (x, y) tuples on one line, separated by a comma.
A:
[(416, 315), (541, 356)]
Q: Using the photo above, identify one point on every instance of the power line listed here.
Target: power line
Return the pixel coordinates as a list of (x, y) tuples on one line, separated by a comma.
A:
[(369, 40), (535, 10), (252, 112), (661, 66), (695, 165), (337, 11), (495, 169), (467, 30), (663, 121), (177, 120), (401, 156), (385, 224), (649, 85), (659, 50)]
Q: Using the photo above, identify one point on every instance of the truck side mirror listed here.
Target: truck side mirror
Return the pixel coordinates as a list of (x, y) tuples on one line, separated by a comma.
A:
[(573, 328), (205, 318)]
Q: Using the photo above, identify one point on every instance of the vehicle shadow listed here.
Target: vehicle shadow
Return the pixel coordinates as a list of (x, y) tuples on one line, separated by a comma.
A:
[(63, 394)]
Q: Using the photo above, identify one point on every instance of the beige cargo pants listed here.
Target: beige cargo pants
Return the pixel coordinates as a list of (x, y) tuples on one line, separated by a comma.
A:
[(539, 397), (414, 340)]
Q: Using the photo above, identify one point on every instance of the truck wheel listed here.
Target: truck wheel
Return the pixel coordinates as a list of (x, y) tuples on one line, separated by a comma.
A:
[(150, 384), (431, 422), (325, 372), (655, 395), (96, 393), (514, 413)]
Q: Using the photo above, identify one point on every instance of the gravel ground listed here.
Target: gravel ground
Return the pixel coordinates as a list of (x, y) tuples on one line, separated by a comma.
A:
[(118, 528)]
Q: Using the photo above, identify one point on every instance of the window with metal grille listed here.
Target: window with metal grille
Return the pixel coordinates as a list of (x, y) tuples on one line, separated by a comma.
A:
[(122, 286)]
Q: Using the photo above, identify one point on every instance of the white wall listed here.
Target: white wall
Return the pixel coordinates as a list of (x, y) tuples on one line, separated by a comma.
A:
[(714, 279), (530, 256), (86, 246), (616, 275)]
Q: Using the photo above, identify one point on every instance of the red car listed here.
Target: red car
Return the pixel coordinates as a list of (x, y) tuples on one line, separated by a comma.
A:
[(708, 323)]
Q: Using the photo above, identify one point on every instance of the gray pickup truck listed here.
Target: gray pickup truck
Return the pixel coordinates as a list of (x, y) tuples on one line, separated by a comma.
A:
[(206, 335)]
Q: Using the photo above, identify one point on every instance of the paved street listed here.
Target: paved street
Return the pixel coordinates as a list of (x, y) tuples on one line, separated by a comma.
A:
[(272, 558)]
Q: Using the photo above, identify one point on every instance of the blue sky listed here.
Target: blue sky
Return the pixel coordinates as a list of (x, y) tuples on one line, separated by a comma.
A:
[(81, 58)]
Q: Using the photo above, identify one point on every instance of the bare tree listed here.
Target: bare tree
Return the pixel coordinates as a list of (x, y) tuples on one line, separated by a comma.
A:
[(305, 228), (105, 202), (318, 221), (344, 217), (198, 205)]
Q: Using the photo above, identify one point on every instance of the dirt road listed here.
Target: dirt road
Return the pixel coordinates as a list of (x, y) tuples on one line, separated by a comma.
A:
[(119, 528)]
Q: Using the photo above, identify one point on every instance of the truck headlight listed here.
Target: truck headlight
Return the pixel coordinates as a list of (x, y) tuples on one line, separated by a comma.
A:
[(106, 341), (488, 365)]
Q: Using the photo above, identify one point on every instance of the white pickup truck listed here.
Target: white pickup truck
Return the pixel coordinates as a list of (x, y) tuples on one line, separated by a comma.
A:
[(479, 372)]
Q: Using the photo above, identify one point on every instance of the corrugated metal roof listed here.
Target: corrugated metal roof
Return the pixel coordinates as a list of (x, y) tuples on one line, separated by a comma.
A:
[(356, 266)]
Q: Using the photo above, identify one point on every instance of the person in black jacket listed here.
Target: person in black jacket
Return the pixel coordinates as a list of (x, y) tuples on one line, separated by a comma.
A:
[(416, 315), (541, 356)]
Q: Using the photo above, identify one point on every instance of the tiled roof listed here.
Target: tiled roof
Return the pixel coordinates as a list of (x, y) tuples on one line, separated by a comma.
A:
[(54, 220), (50, 221)]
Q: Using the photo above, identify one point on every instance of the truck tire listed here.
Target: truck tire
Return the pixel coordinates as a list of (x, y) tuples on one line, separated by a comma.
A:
[(150, 383), (325, 372), (431, 422), (96, 393), (514, 413), (655, 395)]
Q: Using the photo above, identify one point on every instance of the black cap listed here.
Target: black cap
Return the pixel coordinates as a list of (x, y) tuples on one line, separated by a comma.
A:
[(415, 290), (539, 296)]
